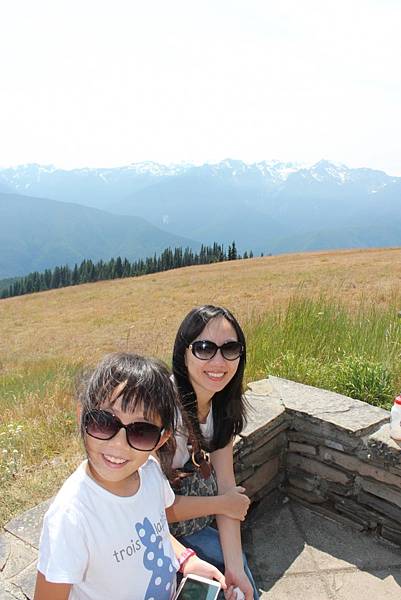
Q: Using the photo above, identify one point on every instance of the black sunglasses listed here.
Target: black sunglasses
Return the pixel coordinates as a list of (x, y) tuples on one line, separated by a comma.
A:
[(103, 425), (205, 349)]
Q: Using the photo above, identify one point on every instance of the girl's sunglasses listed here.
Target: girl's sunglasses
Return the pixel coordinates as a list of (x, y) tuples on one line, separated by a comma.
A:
[(103, 425), (205, 349)]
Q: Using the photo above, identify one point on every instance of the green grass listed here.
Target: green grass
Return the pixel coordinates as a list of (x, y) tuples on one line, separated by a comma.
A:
[(37, 432), (34, 379), (37, 408), (323, 343)]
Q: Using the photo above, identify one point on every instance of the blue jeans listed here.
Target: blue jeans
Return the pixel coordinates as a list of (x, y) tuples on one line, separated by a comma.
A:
[(206, 544)]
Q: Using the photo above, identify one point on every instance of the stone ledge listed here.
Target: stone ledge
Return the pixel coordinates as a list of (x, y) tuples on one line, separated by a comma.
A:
[(338, 454), (262, 414), (4, 550), (25, 580), (27, 526), (353, 416)]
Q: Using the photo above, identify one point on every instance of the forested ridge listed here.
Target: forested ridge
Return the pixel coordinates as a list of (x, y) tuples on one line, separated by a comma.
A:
[(117, 268)]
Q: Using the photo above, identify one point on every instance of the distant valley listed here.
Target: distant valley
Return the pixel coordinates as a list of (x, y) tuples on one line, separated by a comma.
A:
[(38, 233), (269, 207)]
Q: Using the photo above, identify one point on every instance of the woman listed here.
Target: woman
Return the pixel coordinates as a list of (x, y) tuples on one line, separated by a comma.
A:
[(208, 366)]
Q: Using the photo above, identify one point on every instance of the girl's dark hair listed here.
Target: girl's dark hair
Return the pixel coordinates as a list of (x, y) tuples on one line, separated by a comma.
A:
[(229, 405), (136, 381)]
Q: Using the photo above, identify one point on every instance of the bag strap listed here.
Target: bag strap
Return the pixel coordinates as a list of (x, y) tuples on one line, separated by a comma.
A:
[(199, 457)]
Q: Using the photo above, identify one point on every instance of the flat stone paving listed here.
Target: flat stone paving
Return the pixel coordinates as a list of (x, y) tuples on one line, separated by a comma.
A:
[(294, 552), (297, 553)]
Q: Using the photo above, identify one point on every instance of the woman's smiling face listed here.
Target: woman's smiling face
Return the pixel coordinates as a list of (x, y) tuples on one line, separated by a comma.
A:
[(210, 376)]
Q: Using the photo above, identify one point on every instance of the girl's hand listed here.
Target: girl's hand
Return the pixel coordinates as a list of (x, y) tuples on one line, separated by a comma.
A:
[(196, 566), (238, 579), (235, 503)]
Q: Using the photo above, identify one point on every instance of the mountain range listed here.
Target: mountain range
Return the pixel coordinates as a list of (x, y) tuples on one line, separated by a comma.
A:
[(268, 207)]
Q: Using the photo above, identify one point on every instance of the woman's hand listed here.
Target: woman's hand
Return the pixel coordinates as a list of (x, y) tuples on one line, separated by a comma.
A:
[(238, 579), (235, 503), (196, 566)]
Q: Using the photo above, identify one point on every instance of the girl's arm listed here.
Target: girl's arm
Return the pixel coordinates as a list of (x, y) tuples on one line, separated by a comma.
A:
[(234, 503), (229, 529), (195, 565), (45, 590)]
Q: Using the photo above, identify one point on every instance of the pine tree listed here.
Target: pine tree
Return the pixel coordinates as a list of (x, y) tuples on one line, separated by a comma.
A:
[(55, 278), (75, 275), (126, 268), (118, 269)]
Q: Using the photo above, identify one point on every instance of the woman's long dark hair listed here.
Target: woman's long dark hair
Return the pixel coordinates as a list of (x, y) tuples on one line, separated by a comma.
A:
[(137, 381), (229, 406)]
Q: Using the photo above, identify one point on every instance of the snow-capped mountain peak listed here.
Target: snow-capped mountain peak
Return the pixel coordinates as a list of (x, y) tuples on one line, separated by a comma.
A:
[(97, 184)]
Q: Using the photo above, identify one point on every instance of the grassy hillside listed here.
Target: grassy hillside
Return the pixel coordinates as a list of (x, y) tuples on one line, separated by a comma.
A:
[(83, 322), (349, 338)]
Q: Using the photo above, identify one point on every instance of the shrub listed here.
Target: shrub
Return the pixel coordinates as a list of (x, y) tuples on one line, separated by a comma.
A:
[(365, 379)]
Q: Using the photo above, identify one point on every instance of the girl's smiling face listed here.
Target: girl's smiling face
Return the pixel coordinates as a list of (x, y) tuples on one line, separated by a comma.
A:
[(113, 464), (210, 376)]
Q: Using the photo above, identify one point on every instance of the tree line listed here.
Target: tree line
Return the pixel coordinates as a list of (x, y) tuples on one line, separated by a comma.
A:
[(117, 268)]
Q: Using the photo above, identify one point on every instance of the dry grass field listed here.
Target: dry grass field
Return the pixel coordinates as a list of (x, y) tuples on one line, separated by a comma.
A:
[(142, 314), (46, 337)]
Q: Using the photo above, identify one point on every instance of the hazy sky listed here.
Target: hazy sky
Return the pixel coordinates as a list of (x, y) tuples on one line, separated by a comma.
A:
[(110, 82)]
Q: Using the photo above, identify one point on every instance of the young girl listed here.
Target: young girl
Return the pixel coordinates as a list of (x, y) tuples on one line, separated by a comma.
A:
[(208, 365), (106, 537)]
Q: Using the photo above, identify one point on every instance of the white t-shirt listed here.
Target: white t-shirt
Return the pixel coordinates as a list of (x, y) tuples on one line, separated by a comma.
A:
[(110, 547), (182, 455)]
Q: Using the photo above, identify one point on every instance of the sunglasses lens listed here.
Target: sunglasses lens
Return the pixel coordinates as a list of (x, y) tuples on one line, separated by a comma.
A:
[(101, 425), (203, 349), (143, 436), (231, 350)]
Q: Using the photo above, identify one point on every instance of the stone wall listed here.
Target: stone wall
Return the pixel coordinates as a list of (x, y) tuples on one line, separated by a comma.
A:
[(325, 450)]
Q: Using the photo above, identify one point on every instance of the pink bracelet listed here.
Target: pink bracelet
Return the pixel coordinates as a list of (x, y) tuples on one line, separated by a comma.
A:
[(182, 559)]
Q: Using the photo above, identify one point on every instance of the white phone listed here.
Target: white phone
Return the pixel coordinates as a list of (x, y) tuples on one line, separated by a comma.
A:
[(194, 587)]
